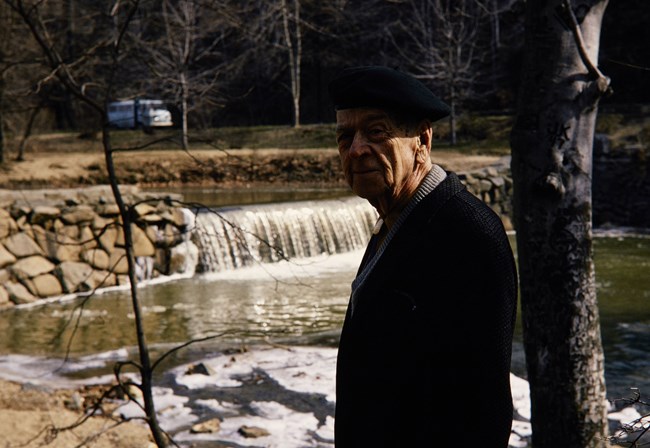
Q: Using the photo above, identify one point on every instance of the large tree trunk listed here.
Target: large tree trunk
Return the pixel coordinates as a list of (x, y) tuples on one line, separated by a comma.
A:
[(551, 164)]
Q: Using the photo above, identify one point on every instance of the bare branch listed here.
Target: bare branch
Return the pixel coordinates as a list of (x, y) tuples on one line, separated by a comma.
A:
[(602, 81)]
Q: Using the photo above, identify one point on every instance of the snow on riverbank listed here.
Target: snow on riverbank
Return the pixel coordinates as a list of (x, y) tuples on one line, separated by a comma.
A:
[(266, 397), (268, 389)]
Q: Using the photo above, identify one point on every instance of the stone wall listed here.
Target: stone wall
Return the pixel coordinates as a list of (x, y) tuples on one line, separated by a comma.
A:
[(621, 183), (61, 242), (57, 242), (493, 185)]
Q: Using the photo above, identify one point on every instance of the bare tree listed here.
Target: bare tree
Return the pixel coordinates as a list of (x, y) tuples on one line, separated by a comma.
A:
[(27, 132), (293, 44), (17, 67), (72, 76), (442, 45), (187, 56), (277, 31), (551, 163)]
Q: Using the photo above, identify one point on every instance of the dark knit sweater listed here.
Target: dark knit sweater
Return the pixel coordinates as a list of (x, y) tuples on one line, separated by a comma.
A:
[(424, 360)]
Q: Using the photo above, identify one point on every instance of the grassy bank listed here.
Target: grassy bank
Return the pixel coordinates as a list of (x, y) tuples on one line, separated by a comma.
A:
[(476, 135)]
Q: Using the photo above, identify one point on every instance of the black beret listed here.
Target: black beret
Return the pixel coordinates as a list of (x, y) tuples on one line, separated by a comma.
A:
[(385, 88)]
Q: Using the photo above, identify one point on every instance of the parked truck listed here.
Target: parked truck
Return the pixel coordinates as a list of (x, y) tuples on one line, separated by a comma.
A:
[(139, 112)]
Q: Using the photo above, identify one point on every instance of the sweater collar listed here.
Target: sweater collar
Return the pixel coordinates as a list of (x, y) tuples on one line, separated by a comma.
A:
[(428, 184)]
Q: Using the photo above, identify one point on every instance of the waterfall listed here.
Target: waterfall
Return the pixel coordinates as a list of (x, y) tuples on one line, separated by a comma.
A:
[(236, 237)]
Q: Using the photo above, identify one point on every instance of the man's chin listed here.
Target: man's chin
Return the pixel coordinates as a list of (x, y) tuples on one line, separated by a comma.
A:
[(368, 192)]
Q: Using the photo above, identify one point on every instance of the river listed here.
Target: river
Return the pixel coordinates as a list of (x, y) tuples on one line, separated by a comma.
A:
[(299, 302)]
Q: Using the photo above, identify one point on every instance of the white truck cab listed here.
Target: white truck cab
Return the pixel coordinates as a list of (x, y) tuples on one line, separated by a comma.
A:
[(139, 112)]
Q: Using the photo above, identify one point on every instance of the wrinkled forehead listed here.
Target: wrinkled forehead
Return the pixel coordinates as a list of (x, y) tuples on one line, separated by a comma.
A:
[(362, 115)]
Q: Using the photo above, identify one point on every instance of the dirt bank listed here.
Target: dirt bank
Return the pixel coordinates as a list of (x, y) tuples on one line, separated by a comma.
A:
[(27, 412)]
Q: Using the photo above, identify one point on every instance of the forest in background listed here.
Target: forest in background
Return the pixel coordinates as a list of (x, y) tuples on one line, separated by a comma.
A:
[(254, 62)]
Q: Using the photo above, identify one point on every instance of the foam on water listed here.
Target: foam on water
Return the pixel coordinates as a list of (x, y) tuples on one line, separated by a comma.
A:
[(299, 268)]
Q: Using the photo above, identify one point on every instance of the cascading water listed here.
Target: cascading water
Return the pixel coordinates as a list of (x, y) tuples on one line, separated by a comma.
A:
[(242, 236)]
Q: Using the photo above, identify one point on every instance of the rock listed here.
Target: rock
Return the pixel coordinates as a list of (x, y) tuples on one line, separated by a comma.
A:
[(57, 246), (98, 279), (118, 261), (7, 224), (470, 179), (176, 216), (18, 294), (498, 181), (78, 215), (108, 210), (45, 285), (97, 258), (491, 171), (20, 211), (100, 223), (22, 245), (208, 426), (68, 250), (107, 237), (6, 257), (104, 279), (171, 236), (152, 234), (31, 267), (4, 297), (199, 369), (43, 213), (73, 274), (87, 238), (143, 209), (45, 239), (484, 185), (152, 218), (22, 222), (253, 432), (142, 245)]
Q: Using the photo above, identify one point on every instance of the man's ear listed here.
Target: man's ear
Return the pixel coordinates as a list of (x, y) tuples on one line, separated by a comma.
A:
[(426, 134)]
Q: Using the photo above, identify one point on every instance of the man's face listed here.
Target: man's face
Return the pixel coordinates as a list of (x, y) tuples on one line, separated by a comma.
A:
[(378, 158)]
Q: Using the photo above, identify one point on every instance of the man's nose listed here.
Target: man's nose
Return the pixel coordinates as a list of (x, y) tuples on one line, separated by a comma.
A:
[(359, 146)]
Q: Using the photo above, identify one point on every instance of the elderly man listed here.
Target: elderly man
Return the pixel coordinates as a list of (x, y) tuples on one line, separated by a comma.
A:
[(424, 356)]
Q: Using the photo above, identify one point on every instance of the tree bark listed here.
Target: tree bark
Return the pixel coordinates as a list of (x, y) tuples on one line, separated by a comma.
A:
[(551, 164)]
